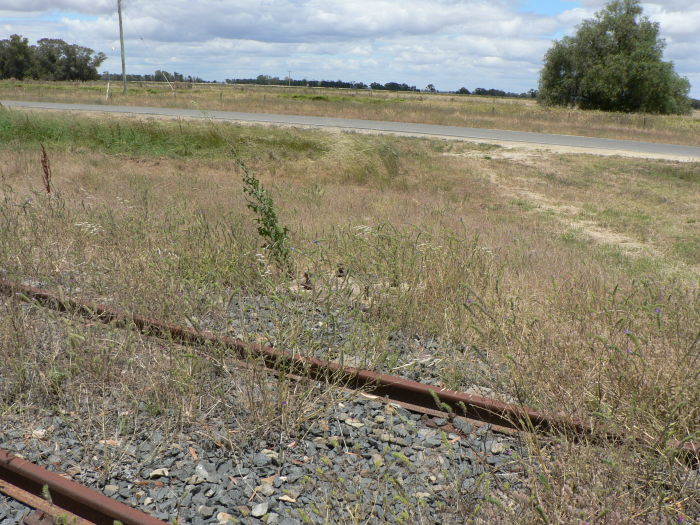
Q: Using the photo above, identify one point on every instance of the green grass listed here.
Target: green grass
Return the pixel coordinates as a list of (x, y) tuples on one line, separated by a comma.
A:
[(149, 138), (631, 220), (688, 249), (682, 172), (524, 204)]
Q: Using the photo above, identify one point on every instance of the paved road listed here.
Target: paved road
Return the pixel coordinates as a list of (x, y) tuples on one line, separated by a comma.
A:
[(377, 126)]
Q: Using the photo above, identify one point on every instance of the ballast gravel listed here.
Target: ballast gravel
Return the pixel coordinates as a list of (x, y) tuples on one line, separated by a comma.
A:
[(335, 330), (356, 460), (338, 333), (361, 460), (11, 511)]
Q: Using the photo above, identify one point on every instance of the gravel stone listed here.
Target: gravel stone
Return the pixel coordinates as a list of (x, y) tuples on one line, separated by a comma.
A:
[(205, 474), (225, 518), (266, 489), (260, 509), (261, 460), (110, 490), (497, 448), (419, 357), (462, 424), (205, 511), (158, 473)]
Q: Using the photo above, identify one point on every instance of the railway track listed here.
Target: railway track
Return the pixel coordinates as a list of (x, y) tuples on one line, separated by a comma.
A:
[(60, 500), (34, 486), (420, 397)]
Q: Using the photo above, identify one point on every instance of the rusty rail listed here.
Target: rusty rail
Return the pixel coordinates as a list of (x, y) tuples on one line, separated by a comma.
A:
[(45, 511), (69, 502), (396, 388), (419, 395)]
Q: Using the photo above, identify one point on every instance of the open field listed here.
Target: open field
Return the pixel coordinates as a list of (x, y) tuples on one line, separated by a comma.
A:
[(469, 111), (570, 283)]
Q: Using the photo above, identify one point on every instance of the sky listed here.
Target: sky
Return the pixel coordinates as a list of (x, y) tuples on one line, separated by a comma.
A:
[(448, 43)]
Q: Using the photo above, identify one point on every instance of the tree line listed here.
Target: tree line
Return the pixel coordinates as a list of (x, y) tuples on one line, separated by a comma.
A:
[(268, 80), (48, 59), (157, 76), (497, 93)]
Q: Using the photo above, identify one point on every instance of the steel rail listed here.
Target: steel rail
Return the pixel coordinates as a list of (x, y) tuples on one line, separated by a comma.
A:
[(68, 498), (396, 388), (405, 391), (42, 506)]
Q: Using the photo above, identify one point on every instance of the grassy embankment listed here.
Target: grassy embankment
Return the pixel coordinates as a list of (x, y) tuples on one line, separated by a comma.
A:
[(470, 111), (575, 276)]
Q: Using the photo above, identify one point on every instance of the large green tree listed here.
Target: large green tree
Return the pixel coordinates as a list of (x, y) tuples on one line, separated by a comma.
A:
[(613, 63), (49, 59), (55, 59), (16, 57)]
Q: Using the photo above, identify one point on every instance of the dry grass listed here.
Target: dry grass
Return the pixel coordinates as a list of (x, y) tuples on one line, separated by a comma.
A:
[(469, 111), (112, 378), (490, 250)]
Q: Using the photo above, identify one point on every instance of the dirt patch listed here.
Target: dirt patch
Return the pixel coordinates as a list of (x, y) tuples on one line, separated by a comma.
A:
[(566, 214), (524, 151), (522, 156)]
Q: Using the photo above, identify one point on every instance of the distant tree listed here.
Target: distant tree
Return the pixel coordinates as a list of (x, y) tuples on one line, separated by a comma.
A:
[(55, 59), (16, 57), (49, 59), (430, 88), (395, 86), (264, 79), (48, 53), (613, 63), (493, 93), (463, 91), (275, 81)]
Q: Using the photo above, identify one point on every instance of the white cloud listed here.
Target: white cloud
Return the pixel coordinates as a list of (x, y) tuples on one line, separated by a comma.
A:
[(451, 43), (681, 24), (79, 6)]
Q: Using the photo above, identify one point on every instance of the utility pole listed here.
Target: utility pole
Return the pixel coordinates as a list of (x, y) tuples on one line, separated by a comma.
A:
[(121, 39)]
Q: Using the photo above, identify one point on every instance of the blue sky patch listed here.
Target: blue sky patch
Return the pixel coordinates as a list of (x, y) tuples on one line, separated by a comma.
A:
[(548, 7)]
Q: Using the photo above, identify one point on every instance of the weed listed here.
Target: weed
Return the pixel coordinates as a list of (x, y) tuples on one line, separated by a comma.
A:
[(261, 203), (46, 169)]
